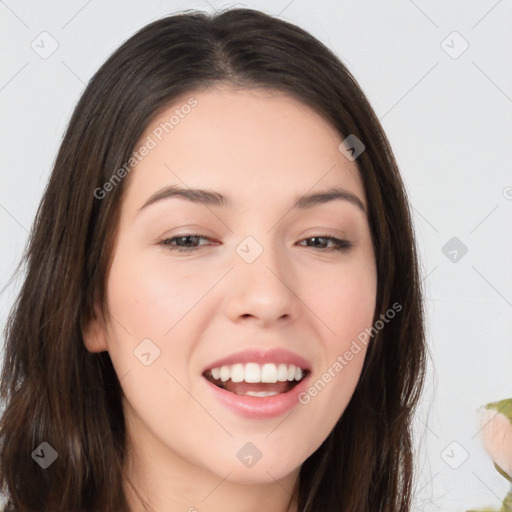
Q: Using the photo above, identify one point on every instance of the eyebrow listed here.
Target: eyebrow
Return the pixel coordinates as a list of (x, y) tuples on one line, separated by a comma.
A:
[(213, 198)]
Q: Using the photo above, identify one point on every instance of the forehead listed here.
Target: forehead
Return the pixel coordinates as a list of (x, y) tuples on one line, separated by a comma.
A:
[(251, 144)]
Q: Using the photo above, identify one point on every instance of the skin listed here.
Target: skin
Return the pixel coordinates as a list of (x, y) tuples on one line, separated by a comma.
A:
[(263, 149)]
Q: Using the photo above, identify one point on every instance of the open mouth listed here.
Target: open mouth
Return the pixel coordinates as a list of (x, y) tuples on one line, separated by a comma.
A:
[(253, 379)]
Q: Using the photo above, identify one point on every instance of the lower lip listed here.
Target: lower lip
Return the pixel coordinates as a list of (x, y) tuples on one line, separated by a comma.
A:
[(255, 407)]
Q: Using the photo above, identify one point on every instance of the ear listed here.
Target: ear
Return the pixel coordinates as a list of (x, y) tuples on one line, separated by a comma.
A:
[(94, 333)]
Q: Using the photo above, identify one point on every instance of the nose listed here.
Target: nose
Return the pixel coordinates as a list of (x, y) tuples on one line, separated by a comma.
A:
[(265, 291)]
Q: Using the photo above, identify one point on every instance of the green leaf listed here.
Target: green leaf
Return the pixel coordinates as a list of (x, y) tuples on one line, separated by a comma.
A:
[(503, 407)]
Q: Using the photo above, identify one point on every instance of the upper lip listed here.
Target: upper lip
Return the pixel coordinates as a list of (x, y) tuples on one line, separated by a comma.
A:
[(261, 356)]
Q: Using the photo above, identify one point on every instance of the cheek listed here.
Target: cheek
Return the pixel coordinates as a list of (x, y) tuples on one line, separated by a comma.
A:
[(146, 303), (344, 300), (149, 304), (150, 298)]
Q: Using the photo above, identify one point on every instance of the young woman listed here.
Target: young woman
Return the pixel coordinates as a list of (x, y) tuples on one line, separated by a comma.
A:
[(222, 308)]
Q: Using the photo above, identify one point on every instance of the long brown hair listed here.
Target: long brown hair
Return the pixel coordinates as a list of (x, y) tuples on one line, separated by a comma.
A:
[(57, 392)]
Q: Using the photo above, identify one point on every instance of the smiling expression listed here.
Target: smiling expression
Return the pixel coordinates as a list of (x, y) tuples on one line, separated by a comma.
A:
[(244, 228)]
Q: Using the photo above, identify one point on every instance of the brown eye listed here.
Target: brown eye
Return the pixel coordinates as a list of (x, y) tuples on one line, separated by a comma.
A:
[(185, 243), (339, 244)]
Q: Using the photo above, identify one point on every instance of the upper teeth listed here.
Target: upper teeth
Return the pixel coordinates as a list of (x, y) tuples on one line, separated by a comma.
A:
[(254, 372)]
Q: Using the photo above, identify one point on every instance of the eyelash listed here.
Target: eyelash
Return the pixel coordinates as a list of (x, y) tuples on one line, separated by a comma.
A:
[(340, 245)]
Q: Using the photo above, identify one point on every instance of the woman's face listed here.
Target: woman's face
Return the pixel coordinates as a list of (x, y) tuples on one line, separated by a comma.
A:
[(263, 286)]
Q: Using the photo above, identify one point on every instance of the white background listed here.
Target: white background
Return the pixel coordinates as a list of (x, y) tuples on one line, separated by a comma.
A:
[(449, 121)]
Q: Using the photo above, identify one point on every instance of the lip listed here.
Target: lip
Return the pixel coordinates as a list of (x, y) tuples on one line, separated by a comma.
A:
[(253, 407), (276, 355)]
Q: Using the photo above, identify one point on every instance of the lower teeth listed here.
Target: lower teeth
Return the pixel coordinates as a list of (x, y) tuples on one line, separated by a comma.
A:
[(259, 393)]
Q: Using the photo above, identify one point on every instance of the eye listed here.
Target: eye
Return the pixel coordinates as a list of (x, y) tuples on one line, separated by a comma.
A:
[(190, 242), (339, 244)]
